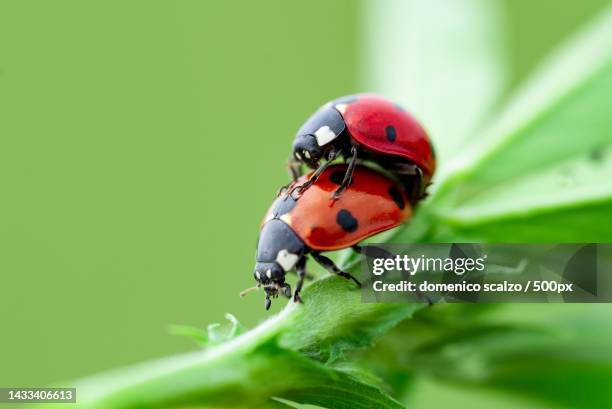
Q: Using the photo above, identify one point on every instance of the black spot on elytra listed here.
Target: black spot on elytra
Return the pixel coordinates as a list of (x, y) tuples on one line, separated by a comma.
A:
[(396, 195), (346, 220), (390, 132), (337, 177)]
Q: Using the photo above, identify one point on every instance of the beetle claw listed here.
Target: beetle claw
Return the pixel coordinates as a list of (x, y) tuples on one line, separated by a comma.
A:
[(336, 195)]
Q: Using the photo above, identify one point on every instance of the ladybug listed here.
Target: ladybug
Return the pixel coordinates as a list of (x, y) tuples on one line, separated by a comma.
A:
[(367, 127), (308, 223)]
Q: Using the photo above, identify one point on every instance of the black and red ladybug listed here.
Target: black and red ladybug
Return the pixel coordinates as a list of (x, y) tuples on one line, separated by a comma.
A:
[(308, 223), (367, 127)]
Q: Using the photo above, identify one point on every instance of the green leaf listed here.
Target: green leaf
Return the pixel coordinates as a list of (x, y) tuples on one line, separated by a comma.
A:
[(443, 60), (214, 333), (544, 164), (198, 335), (559, 114), (558, 353), (335, 320)]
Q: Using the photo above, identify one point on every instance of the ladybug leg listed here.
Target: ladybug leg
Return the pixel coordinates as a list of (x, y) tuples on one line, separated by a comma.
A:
[(419, 187), (295, 171), (285, 290), (282, 190), (372, 251), (308, 276), (295, 168), (414, 180), (348, 176), (300, 267), (313, 178), (329, 265)]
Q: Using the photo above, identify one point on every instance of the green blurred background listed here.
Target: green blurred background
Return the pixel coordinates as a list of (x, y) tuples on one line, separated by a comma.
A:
[(140, 145)]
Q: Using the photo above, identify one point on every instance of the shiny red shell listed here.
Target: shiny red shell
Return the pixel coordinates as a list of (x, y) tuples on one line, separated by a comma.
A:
[(382, 126), (372, 203)]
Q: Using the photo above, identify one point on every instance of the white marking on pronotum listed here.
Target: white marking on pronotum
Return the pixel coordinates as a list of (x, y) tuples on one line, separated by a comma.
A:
[(297, 155), (324, 135), (258, 275), (269, 273), (307, 154), (341, 108), (286, 260)]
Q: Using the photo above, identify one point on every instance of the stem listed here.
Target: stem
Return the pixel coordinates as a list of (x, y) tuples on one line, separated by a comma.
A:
[(284, 356)]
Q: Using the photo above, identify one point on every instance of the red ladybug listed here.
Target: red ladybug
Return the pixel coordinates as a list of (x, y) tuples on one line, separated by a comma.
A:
[(310, 223), (369, 127)]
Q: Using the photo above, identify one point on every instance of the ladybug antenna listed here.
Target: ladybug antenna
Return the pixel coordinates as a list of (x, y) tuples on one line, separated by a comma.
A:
[(257, 287), (250, 289)]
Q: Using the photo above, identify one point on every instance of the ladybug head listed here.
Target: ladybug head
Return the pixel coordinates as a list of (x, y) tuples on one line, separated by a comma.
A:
[(307, 150), (272, 278), (278, 251), (316, 138)]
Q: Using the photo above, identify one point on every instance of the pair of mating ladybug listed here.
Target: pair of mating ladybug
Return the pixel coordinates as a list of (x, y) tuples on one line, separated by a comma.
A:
[(337, 206)]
